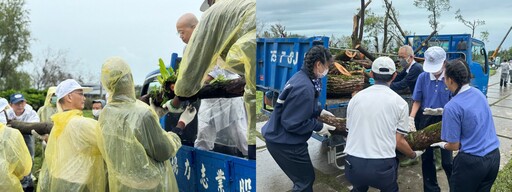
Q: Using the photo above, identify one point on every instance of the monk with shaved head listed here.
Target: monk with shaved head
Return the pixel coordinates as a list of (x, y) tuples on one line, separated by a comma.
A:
[(186, 25)]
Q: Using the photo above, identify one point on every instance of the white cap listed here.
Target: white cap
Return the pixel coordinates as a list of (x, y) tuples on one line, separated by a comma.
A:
[(3, 103), (68, 86), (204, 6), (383, 66), (434, 59)]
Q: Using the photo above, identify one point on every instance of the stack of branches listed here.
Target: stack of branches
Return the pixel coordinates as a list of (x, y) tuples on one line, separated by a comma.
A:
[(218, 88), (346, 76)]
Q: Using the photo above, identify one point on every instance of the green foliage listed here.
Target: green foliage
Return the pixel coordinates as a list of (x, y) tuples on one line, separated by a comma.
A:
[(504, 180), (14, 44), (166, 74), (35, 98)]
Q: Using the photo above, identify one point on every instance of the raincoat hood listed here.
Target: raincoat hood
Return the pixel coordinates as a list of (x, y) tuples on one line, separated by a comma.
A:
[(47, 100), (117, 79)]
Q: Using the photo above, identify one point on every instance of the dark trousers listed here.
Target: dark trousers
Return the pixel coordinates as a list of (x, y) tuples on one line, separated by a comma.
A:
[(377, 173), (474, 173), (428, 167), (294, 160)]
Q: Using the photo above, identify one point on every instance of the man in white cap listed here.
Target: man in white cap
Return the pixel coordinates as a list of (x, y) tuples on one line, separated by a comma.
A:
[(429, 96), (72, 161), (371, 142), (227, 30), (21, 111)]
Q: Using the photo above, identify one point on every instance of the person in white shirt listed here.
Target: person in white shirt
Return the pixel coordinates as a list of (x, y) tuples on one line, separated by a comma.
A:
[(21, 111), (377, 121), (505, 67)]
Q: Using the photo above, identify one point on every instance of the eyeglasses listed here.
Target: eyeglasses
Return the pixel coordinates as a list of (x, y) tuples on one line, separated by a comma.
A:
[(81, 93)]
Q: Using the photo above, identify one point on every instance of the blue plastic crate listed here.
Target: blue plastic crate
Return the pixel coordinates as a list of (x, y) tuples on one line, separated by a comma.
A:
[(278, 59)]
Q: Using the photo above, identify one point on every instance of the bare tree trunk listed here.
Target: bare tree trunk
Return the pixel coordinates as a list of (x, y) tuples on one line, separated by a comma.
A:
[(422, 139), (385, 38), (376, 38), (355, 31), (361, 21), (392, 16)]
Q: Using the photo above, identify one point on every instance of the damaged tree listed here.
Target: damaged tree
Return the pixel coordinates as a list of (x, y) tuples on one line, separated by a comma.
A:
[(422, 139), (419, 140), (26, 128), (339, 123)]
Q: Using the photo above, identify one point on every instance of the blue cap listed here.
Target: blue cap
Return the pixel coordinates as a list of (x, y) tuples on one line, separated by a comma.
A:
[(16, 98)]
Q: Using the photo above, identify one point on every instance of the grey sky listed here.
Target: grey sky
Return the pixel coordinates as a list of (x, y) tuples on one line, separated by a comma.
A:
[(93, 30), (327, 17)]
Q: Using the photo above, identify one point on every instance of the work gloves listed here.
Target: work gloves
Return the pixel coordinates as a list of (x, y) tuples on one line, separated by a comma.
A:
[(188, 115), (325, 130), (325, 112), (168, 105), (434, 112), (412, 127), (439, 144), (418, 154)]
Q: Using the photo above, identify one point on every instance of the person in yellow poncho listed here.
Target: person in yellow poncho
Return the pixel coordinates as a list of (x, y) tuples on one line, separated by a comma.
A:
[(15, 160), (50, 106), (135, 148), (227, 30), (72, 161)]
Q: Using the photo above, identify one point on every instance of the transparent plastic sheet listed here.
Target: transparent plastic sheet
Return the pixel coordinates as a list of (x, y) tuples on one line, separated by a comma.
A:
[(135, 148), (222, 121), (15, 160), (243, 55), (72, 161), (220, 27), (226, 30), (47, 110)]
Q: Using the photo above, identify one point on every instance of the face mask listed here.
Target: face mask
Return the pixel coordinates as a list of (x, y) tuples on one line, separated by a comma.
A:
[(323, 73), (438, 73), (403, 63), (53, 100), (96, 112)]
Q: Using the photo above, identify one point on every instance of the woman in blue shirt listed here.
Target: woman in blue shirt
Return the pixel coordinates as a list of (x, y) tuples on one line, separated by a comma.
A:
[(430, 95), (295, 118), (469, 128)]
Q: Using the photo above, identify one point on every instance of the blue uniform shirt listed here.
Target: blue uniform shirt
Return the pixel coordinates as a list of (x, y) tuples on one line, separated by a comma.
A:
[(295, 112), (431, 92), (467, 119)]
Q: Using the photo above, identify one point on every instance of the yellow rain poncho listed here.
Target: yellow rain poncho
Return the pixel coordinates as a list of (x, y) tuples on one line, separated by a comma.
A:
[(134, 146), (72, 161), (48, 109), (15, 160), (227, 30)]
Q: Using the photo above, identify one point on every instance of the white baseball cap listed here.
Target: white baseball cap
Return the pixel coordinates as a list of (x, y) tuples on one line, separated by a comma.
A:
[(204, 6), (68, 86), (3, 103), (434, 59), (383, 66)]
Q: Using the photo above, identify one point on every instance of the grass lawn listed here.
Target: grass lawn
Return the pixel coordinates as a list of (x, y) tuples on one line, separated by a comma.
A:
[(504, 180)]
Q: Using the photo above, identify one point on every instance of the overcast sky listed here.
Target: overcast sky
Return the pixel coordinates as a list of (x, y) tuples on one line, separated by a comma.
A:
[(93, 30), (327, 17), (143, 31)]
